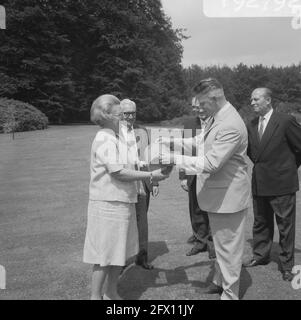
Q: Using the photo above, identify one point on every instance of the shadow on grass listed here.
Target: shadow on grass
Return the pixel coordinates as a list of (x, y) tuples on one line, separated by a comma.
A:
[(245, 282), (136, 280)]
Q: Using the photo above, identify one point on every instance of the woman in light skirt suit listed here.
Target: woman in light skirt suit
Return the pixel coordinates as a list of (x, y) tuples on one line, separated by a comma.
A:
[(111, 235)]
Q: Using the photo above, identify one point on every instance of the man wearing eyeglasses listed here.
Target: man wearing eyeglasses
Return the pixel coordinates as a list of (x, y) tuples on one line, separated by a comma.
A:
[(201, 237), (144, 188)]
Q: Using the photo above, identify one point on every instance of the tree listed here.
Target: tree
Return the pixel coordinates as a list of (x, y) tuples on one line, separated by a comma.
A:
[(241, 80), (60, 55), (34, 56)]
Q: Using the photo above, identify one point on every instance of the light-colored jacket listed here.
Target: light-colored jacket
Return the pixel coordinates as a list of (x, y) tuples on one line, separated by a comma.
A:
[(227, 188), (109, 155)]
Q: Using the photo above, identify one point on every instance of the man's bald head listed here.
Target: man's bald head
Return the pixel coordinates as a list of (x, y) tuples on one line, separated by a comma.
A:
[(266, 92)]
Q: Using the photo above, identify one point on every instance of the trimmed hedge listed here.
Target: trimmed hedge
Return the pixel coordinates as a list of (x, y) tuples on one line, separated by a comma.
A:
[(19, 116)]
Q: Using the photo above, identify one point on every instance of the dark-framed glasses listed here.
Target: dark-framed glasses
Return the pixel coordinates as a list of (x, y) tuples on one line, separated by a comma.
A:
[(129, 114)]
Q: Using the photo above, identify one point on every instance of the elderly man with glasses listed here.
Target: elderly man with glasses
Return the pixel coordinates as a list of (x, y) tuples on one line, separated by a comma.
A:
[(144, 187)]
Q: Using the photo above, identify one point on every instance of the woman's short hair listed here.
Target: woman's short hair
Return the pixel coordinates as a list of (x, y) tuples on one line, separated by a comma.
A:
[(101, 108)]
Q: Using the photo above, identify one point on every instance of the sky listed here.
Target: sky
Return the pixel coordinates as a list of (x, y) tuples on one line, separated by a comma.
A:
[(230, 41)]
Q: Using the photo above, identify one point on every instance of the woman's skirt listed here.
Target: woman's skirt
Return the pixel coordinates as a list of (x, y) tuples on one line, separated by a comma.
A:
[(111, 236)]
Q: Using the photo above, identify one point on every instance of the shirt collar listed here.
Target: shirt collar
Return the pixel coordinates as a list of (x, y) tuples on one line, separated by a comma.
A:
[(267, 116), (205, 122)]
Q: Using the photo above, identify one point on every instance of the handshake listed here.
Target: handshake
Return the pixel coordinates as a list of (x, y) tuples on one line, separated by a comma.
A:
[(166, 153), (158, 162)]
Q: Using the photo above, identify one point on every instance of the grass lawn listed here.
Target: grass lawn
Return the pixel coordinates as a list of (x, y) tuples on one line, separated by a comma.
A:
[(43, 201)]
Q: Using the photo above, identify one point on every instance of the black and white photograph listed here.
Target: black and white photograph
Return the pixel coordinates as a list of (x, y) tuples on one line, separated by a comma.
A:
[(150, 150)]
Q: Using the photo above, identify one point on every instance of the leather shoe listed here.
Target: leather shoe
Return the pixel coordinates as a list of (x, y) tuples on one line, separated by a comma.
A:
[(214, 289), (192, 239), (253, 263), (288, 276), (145, 265), (197, 248), (141, 260)]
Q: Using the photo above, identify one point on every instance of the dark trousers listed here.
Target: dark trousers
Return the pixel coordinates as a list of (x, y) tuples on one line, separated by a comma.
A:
[(284, 208), (199, 218), (142, 223)]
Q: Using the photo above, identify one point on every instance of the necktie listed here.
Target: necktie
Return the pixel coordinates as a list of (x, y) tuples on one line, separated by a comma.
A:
[(261, 127)]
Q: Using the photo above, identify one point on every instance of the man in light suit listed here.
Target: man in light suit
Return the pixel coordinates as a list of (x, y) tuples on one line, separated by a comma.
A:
[(225, 194), (145, 188), (274, 148)]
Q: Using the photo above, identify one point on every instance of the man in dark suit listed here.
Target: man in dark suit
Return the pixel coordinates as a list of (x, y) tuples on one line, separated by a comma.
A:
[(201, 237), (145, 188), (274, 148)]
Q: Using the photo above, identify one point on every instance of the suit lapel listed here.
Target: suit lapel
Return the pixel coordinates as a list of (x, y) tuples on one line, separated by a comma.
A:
[(254, 131), (214, 128), (213, 125), (217, 120), (268, 133)]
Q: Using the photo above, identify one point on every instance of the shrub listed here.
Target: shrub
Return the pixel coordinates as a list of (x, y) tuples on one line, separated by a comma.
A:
[(297, 116), (247, 113), (20, 116), (289, 107), (177, 108)]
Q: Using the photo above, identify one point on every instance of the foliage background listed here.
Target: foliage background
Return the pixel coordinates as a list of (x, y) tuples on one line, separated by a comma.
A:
[(60, 55), (18, 116)]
